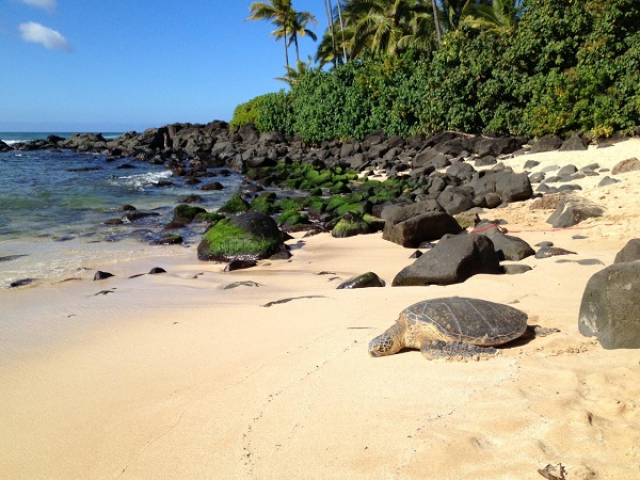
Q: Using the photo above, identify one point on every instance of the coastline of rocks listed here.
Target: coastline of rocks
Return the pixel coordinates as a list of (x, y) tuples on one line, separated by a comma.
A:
[(417, 190)]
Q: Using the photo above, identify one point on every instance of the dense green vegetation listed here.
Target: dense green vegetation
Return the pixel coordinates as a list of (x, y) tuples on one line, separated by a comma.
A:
[(532, 68)]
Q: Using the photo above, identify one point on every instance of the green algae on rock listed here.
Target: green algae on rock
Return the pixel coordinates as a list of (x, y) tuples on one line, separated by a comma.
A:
[(250, 235)]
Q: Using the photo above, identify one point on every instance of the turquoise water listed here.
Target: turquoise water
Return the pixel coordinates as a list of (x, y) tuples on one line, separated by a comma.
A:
[(54, 205)]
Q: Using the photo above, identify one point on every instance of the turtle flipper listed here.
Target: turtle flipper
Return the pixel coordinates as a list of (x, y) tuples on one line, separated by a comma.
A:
[(538, 331), (433, 349)]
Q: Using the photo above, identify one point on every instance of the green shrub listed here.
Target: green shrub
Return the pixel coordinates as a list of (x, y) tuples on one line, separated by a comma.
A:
[(246, 113), (569, 65), (275, 113)]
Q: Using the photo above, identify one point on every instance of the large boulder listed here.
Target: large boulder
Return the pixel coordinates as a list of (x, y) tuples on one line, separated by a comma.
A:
[(430, 157), (625, 166), (507, 247), (456, 199), (576, 141), (572, 210), (547, 143), (630, 252), (511, 187), (410, 225), (610, 306), (452, 260), (250, 235), (497, 146), (404, 211)]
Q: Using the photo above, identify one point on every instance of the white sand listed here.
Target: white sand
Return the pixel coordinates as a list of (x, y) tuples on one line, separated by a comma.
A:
[(173, 377)]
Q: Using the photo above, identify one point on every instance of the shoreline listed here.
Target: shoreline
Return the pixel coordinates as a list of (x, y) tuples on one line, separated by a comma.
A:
[(172, 376)]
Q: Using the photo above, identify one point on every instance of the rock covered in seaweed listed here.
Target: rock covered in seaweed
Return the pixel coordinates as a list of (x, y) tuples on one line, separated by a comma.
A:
[(250, 235)]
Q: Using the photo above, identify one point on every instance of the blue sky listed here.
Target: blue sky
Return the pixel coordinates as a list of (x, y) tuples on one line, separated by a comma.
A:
[(117, 65)]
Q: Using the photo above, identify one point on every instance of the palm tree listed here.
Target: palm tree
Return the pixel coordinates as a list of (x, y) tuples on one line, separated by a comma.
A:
[(501, 16), (279, 12), (385, 27), (298, 27), (294, 75), (329, 36), (436, 20), (344, 48)]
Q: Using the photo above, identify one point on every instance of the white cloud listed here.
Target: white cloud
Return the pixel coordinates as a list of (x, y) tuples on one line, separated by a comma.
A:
[(45, 4), (36, 33)]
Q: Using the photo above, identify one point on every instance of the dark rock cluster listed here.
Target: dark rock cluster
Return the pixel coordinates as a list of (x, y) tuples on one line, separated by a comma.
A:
[(435, 183)]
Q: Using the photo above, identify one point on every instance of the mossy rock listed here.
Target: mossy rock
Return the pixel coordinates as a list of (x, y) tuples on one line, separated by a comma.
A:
[(384, 196), (292, 217), (322, 179), (311, 174), (293, 183), (187, 212), (209, 217), (350, 226), (250, 235), (285, 204), (376, 224), (263, 204), (340, 178), (354, 208), (315, 205), (338, 188), (335, 202), (236, 204)]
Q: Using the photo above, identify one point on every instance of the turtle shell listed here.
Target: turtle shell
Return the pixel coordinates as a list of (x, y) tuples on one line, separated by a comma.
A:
[(468, 320)]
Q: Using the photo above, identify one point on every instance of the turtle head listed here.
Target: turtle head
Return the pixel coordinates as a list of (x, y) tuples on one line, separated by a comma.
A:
[(386, 344)]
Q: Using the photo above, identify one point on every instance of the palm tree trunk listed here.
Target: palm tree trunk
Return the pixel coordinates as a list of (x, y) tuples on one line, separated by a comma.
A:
[(344, 49), (436, 20), (329, 8), (285, 38)]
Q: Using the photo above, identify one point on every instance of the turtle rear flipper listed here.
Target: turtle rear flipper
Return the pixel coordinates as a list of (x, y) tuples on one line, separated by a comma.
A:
[(433, 349), (534, 331)]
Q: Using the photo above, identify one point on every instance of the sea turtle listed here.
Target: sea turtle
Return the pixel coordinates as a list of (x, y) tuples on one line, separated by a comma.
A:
[(454, 327)]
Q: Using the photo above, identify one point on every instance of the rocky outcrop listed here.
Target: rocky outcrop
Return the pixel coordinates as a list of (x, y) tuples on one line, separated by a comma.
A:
[(507, 247), (630, 252), (577, 141), (248, 236), (509, 186), (572, 210), (410, 225), (452, 260), (625, 166), (610, 306)]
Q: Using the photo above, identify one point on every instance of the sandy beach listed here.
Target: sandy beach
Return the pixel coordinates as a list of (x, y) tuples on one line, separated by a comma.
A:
[(177, 376)]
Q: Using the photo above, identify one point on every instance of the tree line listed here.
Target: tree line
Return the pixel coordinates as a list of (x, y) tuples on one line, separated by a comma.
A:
[(527, 67)]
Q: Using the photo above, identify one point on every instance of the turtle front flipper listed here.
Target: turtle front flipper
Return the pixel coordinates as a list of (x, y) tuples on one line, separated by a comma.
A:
[(434, 349)]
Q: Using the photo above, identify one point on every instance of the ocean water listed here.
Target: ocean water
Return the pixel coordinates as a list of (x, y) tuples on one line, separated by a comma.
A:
[(54, 205), (20, 137)]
